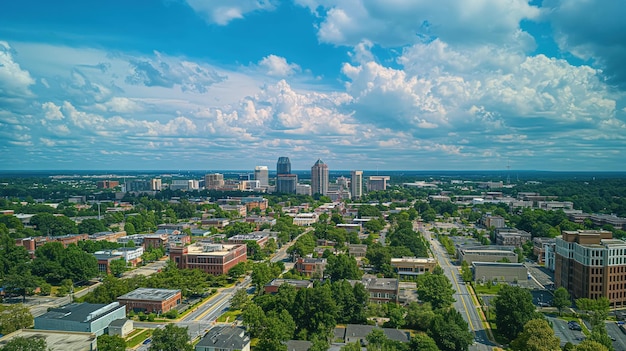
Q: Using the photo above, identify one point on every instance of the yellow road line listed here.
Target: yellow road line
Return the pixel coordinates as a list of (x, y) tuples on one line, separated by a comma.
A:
[(210, 308), (469, 318)]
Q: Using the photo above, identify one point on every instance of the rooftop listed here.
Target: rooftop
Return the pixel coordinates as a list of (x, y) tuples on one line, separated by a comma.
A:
[(413, 260), (209, 249), (55, 340), (225, 337), (80, 312), (150, 294), (499, 264)]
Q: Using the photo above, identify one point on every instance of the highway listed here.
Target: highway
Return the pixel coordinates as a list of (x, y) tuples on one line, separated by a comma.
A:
[(464, 303)]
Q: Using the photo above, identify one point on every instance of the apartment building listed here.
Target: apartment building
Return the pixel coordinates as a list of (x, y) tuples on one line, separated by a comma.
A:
[(211, 258), (512, 237), (591, 264)]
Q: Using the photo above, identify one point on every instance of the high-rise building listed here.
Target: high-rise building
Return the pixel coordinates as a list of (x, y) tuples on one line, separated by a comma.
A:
[(214, 181), (156, 184), (356, 184), (286, 183), (261, 174), (591, 264), (319, 178), (283, 166), (377, 183)]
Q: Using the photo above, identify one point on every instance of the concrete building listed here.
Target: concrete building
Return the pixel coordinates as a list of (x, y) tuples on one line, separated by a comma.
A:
[(260, 238), (224, 338), (81, 317), (286, 183), (319, 178), (488, 221), (303, 189), (381, 290), (377, 183), (539, 248), (511, 237), (602, 219), (357, 250), (132, 255), (156, 184), (150, 300), (591, 264), (214, 181), (498, 271), (412, 266), (305, 219), (356, 184), (107, 184), (155, 241), (56, 340), (210, 258), (261, 173), (486, 254)]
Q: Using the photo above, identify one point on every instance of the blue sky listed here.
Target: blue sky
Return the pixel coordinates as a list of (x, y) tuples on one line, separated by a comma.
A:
[(361, 84)]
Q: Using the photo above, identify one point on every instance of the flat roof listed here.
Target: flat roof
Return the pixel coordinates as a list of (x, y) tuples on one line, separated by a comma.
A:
[(150, 294), (211, 249), (499, 264), (414, 260), (80, 312), (55, 340)]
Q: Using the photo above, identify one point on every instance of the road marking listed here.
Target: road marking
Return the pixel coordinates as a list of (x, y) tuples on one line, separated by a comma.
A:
[(452, 273), (213, 307)]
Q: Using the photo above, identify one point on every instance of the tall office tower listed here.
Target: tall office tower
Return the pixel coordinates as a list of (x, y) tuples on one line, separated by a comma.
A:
[(156, 184), (356, 184), (377, 183), (261, 174), (319, 178), (286, 183), (213, 181), (283, 166)]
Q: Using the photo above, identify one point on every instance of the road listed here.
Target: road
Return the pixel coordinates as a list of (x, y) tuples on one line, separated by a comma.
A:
[(620, 338), (463, 301), (563, 332)]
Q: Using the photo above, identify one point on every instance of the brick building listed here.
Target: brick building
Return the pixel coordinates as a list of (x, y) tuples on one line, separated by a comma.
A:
[(591, 264), (211, 258), (150, 300), (310, 266)]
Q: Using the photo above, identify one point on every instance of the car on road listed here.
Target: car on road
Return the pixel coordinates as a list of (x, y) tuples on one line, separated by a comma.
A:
[(147, 341), (574, 325)]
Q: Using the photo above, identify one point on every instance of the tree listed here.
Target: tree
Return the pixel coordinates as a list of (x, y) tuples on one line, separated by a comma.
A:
[(423, 342), (419, 316), (237, 271), (597, 309), (21, 343), (450, 331), (466, 272), (536, 336), (111, 343), (514, 308), (91, 226), (589, 345), (561, 299), (14, 317), (436, 289), (170, 338), (118, 267), (342, 267), (239, 300)]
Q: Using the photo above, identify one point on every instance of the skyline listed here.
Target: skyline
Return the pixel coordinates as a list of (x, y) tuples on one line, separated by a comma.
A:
[(365, 84)]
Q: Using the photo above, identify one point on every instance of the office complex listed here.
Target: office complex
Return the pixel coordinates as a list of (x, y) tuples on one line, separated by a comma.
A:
[(261, 174), (156, 184), (213, 181), (215, 259), (356, 184), (283, 166), (591, 264), (319, 178), (377, 183)]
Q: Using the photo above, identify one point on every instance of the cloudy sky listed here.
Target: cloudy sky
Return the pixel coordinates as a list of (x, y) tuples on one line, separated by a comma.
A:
[(361, 84)]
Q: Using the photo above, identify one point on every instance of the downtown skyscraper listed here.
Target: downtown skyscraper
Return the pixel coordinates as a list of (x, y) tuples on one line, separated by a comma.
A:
[(356, 184), (319, 178), (285, 181)]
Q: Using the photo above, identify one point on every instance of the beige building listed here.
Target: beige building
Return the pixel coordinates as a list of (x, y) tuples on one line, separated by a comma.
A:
[(471, 255), (501, 272), (591, 264), (377, 183), (56, 340), (356, 184), (214, 181), (412, 266)]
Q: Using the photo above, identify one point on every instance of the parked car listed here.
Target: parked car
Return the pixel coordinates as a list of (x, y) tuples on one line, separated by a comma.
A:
[(147, 341), (574, 325)]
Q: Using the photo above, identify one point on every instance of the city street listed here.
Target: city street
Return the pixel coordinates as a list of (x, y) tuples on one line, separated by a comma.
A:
[(464, 303)]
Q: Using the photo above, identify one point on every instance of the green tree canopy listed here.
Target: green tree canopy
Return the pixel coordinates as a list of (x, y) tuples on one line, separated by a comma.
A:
[(536, 336), (170, 338), (111, 343), (561, 299), (21, 343), (14, 317), (514, 308), (435, 289)]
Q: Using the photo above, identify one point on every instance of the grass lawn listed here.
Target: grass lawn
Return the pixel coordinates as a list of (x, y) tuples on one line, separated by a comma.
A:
[(229, 316), (486, 289), (138, 337)]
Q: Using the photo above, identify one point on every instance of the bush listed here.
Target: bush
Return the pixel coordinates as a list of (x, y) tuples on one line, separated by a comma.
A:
[(151, 317), (142, 316)]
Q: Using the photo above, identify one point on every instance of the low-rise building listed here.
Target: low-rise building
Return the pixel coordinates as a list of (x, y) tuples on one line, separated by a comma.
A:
[(350, 227), (224, 338), (511, 237), (310, 266), (210, 258), (412, 266), (357, 250), (498, 271), (358, 333), (121, 327), (273, 286), (105, 259), (381, 290), (260, 238), (305, 219), (487, 254), (150, 300), (216, 222), (539, 248), (155, 241), (56, 340), (81, 317), (491, 221)]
